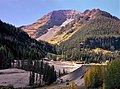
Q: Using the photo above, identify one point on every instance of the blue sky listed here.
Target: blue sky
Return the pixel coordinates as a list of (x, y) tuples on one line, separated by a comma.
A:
[(23, 12)]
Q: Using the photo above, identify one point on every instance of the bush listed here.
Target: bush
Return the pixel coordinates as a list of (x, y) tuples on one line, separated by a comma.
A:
[(112, 75), (67, 83), (94, 77), (73, 85)]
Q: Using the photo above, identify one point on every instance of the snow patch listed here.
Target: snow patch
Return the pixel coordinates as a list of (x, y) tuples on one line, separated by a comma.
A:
[(66, 22)]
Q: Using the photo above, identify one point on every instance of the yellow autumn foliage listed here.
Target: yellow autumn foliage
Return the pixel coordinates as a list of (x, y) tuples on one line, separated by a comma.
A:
[(94, 77)]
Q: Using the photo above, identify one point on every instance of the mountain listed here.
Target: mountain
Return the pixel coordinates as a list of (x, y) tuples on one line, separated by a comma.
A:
[(16, 44), (78, 32), (103, 31), (46, 27), (59, 26), (73, 26)]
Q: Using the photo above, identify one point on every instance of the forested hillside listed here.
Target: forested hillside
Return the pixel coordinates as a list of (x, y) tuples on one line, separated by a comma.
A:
[(17, 45), (101, 32)]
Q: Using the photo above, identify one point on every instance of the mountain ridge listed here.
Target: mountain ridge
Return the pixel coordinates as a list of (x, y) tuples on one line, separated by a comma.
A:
[(41, 29)]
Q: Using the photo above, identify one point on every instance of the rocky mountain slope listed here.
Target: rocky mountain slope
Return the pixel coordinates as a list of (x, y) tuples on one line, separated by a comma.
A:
[(73, 26), (50, 22), (59, 26)]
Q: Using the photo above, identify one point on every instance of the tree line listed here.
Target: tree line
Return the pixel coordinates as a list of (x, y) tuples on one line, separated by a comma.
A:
[(41, 73)]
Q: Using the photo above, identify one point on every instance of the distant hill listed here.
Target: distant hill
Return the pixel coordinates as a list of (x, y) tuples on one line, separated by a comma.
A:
[(16, 44)]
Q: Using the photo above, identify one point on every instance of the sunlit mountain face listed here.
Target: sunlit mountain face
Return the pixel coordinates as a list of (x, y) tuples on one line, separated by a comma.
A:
[(59, 26)]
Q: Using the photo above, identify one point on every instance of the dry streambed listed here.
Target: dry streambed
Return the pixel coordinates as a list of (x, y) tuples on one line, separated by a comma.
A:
[(68, 66), (15, 77)]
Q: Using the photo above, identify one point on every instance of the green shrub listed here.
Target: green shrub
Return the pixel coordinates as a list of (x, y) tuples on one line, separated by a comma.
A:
[(112, 75)]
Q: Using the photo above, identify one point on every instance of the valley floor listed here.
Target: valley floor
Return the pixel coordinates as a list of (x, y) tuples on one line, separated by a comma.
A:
[(15, 77), (20, 78)]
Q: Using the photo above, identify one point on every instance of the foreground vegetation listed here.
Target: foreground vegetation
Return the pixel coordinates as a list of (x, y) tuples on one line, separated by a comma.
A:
[(106, 77)]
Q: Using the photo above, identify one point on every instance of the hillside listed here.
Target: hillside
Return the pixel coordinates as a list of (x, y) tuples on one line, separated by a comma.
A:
[(16, 44), (100, 27), (72, 27), (101, 32)]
